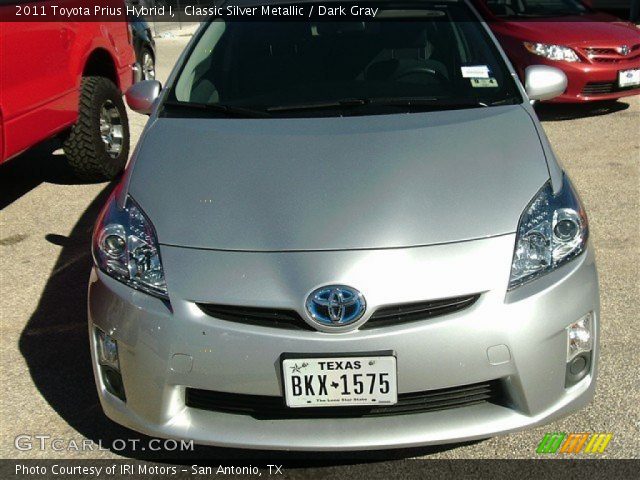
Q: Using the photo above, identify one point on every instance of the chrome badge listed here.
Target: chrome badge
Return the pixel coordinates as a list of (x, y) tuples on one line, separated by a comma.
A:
[(336, 305), (623, 50)]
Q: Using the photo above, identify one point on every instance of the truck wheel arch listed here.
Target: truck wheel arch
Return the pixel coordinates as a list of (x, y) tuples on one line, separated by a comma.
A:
[(100, 63)]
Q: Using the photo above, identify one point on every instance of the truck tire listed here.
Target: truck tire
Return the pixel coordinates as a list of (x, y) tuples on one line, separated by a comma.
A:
[(98, 146)]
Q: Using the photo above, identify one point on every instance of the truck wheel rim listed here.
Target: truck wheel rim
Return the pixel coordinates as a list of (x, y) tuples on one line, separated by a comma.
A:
[(111, 129), (148, 67)]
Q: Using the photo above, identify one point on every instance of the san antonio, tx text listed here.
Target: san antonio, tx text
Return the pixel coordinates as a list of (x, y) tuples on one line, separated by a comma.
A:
[(142, 469)]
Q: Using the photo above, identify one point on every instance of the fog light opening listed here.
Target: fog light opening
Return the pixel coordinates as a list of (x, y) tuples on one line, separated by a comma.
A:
[(579, 350), (577, 369), (577, 365), (109, 361), (580, 337), (113, 382), (107, 350)]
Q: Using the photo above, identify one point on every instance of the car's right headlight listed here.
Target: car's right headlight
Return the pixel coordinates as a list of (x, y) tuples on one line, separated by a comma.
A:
[(552, 52), (553, 230), (125, 247)]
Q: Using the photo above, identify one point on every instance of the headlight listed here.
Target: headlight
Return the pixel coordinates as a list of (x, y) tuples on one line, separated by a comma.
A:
[(125, 247), (552, 230), (552, 52)]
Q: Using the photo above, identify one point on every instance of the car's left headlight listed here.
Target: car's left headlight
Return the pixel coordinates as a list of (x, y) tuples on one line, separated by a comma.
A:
[(552, 52), (125, 247), (553, 230)]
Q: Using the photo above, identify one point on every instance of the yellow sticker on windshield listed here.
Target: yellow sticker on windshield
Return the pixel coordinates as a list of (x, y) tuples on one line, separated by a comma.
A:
[(484, 82)]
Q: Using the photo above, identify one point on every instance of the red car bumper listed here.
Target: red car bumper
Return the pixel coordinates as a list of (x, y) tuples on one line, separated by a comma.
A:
[(592, 82)]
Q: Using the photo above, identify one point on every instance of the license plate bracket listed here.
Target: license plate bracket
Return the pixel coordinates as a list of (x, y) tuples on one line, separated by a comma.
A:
[(339, 380)]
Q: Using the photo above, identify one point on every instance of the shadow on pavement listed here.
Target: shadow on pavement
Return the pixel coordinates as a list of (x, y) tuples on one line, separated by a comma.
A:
[(55, 346), (556, 112), (54, 342), (40, 164)]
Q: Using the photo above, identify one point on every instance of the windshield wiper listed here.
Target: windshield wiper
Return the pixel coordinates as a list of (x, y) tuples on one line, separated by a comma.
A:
[(426, 103), (347, 102), (420, 103), (221, 108)]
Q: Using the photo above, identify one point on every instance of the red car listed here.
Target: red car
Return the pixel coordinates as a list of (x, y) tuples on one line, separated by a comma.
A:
[(599, 53), (65, 79)]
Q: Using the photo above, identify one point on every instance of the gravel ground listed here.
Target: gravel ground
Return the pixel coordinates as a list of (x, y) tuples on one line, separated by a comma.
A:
[(44, 264)]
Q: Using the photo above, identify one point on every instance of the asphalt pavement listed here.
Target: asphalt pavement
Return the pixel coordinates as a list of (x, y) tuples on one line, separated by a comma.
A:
[(45, 229)]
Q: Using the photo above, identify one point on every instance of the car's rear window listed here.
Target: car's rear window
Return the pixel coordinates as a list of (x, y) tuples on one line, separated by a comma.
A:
[(433, 52)]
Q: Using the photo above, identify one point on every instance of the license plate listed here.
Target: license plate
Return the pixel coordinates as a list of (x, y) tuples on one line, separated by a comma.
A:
[(340, 381), (629, 78)]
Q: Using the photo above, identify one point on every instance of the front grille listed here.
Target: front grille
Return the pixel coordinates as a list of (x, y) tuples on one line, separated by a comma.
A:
[(411, 312), (602, 88), (611, 55), (265, 317), (382, 317), (264, 407)]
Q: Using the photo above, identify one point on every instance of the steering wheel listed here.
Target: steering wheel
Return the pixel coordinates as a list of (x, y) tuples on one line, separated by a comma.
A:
[(422, 71)]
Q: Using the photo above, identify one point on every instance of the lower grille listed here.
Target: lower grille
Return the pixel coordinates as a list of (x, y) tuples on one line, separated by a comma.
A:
[(598, 88), (274, 408), (383, 316), (602, 88)]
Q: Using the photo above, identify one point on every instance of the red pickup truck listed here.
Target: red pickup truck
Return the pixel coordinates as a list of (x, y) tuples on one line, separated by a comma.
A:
[(65, 79)]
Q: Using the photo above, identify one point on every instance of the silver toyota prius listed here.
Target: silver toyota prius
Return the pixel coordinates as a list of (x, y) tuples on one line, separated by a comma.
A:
[(344, 236)]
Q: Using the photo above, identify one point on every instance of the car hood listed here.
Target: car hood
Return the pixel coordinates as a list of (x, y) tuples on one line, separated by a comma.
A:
[(338, 183), (588, 30)]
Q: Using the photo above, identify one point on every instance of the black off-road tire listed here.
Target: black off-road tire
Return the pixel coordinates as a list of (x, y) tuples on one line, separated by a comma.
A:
[(85, 150)]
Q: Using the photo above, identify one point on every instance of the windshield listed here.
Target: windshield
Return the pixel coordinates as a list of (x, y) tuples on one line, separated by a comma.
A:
[(436, 57), (536, 8)]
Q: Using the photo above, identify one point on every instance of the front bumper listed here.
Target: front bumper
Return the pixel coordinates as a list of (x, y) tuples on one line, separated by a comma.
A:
[(437, 353), (590, 82)]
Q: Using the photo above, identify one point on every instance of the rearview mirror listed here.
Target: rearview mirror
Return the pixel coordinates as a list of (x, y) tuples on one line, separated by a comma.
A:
[(141, 96), (544, 83)]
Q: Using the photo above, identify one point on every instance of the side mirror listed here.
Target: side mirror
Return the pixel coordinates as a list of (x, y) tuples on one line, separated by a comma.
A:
[(141, 95), (544, 83)]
